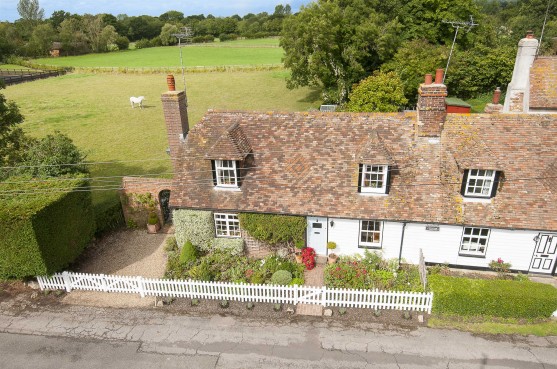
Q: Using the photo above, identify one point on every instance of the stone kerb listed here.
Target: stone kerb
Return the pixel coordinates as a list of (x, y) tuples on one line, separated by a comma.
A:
[(136, 189)]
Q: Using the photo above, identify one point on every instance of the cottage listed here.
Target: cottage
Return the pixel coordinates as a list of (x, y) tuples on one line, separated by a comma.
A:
[(466, 189)]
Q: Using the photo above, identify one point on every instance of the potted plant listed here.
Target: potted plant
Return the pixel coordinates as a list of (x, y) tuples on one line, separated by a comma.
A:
[(153, 225), (332, 257), (300, 245)]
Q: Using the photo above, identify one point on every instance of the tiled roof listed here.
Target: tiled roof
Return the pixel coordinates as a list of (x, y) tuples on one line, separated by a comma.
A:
[(231, 145), (543, 74), (307, 164)]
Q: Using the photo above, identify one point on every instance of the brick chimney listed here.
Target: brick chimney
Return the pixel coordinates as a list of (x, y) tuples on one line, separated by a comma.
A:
[(432, 109), (494, 107), (175, 108), (517, 99)]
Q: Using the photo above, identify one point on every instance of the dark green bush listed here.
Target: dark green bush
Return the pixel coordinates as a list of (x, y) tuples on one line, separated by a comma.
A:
[(498, 298), (188, 253), (142, 44), (227, 37), (109, 219), (122, 42), (274, 229), (43, 232)]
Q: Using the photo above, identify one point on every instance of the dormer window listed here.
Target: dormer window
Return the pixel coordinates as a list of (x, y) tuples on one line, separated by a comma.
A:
[(373, 178), (480, 183), (226, 173)]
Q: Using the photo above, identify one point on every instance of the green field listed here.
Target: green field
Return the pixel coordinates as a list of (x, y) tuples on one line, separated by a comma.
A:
[(243, 52), (94, 110)]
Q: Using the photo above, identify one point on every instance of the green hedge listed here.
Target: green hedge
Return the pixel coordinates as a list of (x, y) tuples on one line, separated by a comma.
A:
[(196, 226), (42, 230), (274, 229), (492, 297)]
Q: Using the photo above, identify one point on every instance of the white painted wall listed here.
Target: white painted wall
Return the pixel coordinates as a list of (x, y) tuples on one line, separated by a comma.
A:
[(346, 233), (515, 247)]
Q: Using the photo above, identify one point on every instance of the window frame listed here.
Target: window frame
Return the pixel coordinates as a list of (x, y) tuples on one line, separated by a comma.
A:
[(228, 220), (470, 236), (370, 245), (384, 173), (219, 166), (475, 177)]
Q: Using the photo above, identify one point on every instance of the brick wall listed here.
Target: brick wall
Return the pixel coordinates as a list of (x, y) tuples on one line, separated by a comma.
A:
[(134, 211)]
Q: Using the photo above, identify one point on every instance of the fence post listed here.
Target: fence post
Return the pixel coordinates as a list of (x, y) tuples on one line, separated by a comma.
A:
[(323, 296), (141, 286), (67, 283)]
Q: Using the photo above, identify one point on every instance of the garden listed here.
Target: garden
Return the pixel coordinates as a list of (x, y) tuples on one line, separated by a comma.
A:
[(371, 271)]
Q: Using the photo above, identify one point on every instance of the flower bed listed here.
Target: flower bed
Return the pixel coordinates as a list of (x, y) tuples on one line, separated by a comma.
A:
[(371, 271), (221, 266)]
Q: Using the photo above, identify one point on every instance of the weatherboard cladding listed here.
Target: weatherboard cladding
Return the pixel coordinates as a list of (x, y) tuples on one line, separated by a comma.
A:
[(543, 74), (307, 164)]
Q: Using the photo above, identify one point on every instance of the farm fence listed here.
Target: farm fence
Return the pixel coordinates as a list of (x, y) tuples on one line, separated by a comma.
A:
[(339, 297)]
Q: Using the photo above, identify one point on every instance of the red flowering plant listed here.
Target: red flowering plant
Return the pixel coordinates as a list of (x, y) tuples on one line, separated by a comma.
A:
[(308, 258), (500, 267)]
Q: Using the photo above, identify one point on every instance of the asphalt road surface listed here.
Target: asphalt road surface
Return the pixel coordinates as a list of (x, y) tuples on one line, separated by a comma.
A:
[(85, 337)]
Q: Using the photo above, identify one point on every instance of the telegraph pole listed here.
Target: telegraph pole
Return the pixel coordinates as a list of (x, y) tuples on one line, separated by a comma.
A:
[(457, 25)]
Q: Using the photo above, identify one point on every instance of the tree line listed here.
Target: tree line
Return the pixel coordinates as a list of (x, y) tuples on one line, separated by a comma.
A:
[(33, 35), (333, 44)]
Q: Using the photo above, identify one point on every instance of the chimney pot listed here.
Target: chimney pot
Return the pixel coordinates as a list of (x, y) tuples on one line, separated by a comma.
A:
[(439, 76), (171, 82), (428, 79), (496, 96), (529, 34)]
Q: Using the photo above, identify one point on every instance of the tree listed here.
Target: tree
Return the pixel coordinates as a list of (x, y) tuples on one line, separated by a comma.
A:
[(12, 139), (172, 16), (166, 34), (74, 40), (41, 39), (58, 17), (413, 60), (30, 11), (52, 156), (333, 44), (380, 92)]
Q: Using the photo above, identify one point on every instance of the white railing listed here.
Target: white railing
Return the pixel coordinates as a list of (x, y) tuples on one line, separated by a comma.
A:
[(374, 299)]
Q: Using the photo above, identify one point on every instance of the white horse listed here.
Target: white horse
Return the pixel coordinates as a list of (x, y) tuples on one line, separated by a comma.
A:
[(137, 100)]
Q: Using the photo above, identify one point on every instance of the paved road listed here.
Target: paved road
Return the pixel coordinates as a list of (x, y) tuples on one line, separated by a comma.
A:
[(83, 337)]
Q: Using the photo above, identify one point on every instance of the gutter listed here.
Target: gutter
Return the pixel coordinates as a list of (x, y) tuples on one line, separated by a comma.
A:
[(401, 242)]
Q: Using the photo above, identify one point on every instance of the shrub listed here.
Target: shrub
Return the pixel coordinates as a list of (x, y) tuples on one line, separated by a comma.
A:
[(153, 218), (332, 245), (170, 244), (500, 267), (308, 258), (281, 278), (227, 37), (43, 233), (142, 44), (109, 219), (196, 226), (498, 298), (201, 272), (122, 42), (274, 229), (297, 281), (233, 246), (188, 253)]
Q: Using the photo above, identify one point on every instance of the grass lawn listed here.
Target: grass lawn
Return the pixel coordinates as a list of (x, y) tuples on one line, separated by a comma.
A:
[(94, 110), (501, 326), (12, 66), (244, 52)]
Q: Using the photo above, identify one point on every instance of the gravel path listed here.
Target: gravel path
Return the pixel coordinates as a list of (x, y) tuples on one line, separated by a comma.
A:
[(126, 252)]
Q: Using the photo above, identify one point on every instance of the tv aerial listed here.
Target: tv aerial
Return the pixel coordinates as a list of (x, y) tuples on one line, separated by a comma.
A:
[(457, 26), (187, 36)]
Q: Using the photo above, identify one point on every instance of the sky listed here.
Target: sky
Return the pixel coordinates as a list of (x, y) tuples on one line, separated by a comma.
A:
[(8, 8)]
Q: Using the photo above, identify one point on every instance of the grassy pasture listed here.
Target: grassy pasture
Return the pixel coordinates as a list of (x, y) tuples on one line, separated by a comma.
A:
[(243, 52), (94, 110)]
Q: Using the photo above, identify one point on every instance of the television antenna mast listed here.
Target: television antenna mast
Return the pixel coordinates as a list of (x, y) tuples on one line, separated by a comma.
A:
[(187, 36), (457, 26)]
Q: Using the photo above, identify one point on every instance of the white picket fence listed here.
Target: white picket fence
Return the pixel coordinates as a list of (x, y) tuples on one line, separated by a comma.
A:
[(374, 299)]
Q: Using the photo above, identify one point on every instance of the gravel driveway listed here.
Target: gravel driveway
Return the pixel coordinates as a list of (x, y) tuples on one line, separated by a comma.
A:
[(126, 252)]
